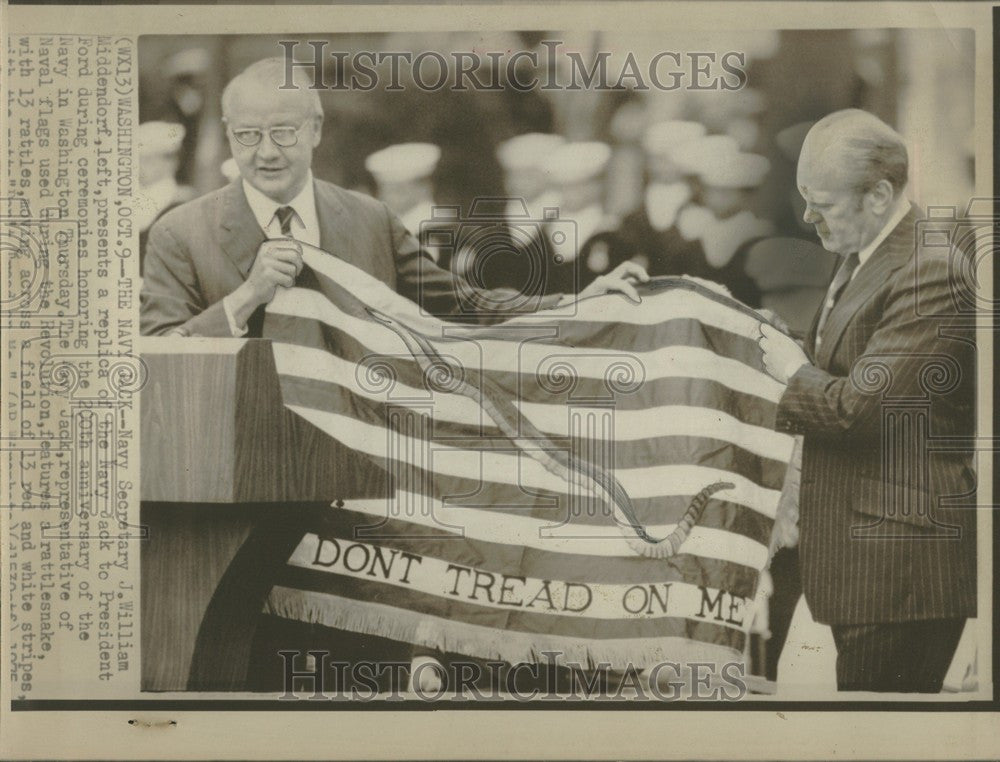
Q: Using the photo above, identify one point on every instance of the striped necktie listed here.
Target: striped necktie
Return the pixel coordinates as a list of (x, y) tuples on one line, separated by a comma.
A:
[(285, 215), (837, 286)]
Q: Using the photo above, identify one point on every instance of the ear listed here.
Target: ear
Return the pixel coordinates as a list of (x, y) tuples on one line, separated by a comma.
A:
[(880, 197), (317, 129)]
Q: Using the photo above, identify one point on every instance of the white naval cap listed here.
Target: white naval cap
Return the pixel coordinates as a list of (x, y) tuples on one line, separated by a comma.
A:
[(663, 138), (745, 131), (229, 169), (577, 162), (160, 138), (528, 150), (403, 162), (187, 62), (695, 154), (741, 170)]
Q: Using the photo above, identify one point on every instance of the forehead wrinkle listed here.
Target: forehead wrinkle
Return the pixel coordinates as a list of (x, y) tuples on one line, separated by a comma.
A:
[(263, 96), (267, 119)]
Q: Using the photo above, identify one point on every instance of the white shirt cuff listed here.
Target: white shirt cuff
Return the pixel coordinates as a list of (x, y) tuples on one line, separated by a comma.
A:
[(793, 367), (233, 329)]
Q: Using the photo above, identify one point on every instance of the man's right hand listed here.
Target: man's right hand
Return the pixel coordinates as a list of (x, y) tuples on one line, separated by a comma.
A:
[(772, 317), (278, 263)]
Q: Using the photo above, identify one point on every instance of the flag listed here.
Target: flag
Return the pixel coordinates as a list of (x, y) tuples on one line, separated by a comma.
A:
[(598, 480)]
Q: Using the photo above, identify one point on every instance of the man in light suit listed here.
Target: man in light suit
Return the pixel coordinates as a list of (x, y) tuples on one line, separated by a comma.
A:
[(214, 263), (885, 562)]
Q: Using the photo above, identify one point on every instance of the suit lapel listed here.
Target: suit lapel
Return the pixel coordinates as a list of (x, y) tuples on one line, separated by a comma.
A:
[(332, 230), (241, 236), (810, 340), (890, 255)]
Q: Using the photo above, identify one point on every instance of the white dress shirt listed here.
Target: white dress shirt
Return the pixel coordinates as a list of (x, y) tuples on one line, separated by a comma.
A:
[(305, 226), (900, 211), (305, 222), (902, 207)]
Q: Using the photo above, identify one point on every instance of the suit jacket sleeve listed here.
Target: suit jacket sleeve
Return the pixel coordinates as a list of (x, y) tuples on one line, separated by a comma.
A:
[(170, 297), (444, 293), (894, 361)]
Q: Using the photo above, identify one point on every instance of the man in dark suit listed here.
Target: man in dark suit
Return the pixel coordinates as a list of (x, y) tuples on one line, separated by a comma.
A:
[(213, 264), (888, 566)]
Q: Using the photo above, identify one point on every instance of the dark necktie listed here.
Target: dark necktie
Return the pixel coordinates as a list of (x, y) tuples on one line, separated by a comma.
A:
[(837, 286), (255, 324), (285, 215)]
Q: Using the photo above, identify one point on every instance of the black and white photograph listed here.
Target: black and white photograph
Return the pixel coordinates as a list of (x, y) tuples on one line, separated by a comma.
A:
[(480, 380), (678, 274)]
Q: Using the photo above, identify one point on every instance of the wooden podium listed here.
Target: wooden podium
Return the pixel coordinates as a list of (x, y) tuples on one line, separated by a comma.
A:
[(219, 452), (214, 430)]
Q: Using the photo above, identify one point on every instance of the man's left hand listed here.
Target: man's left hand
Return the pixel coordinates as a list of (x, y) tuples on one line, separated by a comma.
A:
[(622, 279), (782, 355)]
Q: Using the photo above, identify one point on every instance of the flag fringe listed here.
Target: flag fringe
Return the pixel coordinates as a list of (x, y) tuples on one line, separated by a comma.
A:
[(485, 642)]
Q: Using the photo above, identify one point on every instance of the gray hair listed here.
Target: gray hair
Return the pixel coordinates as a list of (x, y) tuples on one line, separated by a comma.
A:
[(272, 72), (870, 148)]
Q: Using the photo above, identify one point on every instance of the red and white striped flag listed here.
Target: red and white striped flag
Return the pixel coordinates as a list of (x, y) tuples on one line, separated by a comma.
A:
[(599, 480)]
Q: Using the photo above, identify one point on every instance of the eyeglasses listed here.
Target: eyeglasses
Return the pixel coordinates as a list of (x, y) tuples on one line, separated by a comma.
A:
[(283, 136)]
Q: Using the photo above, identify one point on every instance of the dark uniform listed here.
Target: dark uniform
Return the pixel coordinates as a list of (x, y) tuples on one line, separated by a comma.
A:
[(596, 247), (668, 252)]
